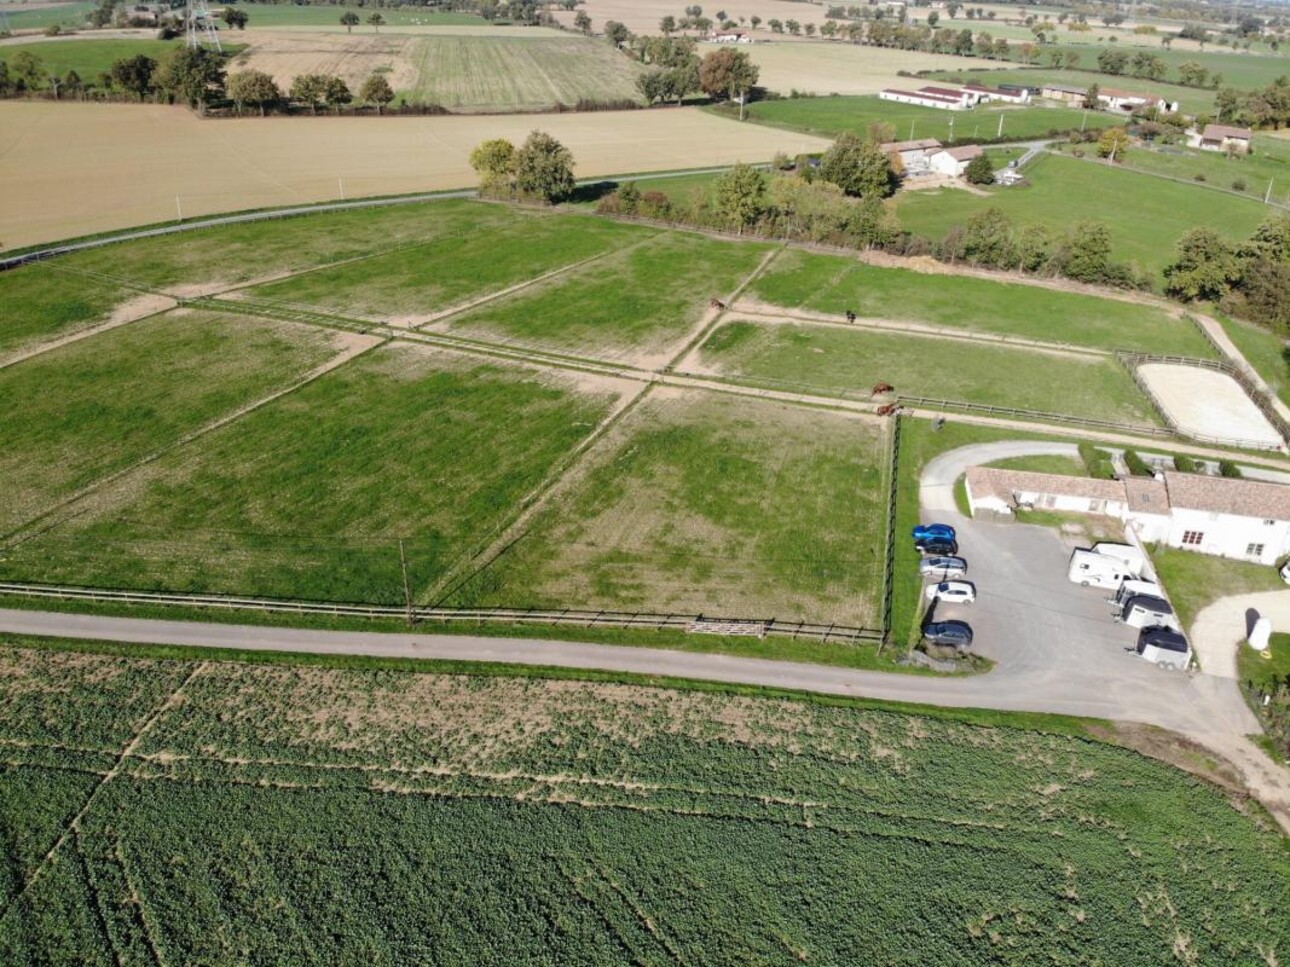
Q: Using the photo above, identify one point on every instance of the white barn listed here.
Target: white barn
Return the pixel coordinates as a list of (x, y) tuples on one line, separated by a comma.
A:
[(1246, 520), (1128, 101), (954, 161), (922, 99), (912, 153), (1018, 95)]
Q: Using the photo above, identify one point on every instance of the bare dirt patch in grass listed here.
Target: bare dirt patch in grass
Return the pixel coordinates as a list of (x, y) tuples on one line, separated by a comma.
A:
[(139, 307), (1208, 403)]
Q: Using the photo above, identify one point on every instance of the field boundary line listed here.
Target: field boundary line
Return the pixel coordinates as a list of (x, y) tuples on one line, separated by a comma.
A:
[(764, 311), (500, 540), (71, 338), (707, 326), (18, 534), (72, 827)]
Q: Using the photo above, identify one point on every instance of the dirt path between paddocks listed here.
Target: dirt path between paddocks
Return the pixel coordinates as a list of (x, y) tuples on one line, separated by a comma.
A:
[(140, 307)]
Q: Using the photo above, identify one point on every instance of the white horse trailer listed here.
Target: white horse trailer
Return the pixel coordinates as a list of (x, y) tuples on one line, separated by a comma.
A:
[(1163, 647), (1147, 611)]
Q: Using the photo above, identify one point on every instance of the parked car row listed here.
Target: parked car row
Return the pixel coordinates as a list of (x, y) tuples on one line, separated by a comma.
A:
[(938, 543)]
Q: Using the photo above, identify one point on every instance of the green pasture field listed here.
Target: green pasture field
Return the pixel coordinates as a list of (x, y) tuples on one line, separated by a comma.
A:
[(1145, 215), (97, 406), (309, 496), (831, 116), (1270, 163), (519, 73), (324, 816), (834, 284), (638, 304), (1264, 350), (702, 503), (431, 276), (1043, 463), (43, 301), (830, 359), (324, 15), (64, 14), (88, 55), (1245, 71), (234, 254), (1194, 580), (1191, 100)]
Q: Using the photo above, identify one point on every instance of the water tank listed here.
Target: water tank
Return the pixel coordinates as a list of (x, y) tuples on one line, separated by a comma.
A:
[(1260, 635)]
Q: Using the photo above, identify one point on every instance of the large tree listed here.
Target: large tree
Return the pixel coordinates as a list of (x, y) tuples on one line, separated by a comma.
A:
[(740, 195), (1205, 268), (582, 20), (310, 89), (858, 167), (1088, 255), (349, 20), (235, 17), (191, 74), (544, 169), (1113, 143), (494, 162), (336, 93), (252, 87), (134, 74), (376, 90), (729, 74)]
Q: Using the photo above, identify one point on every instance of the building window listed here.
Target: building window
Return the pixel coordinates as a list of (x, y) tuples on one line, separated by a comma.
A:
[(1253, 550), (1192, 538)]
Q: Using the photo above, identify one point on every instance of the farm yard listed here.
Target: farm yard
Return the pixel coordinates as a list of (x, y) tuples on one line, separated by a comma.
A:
[(253, 806), (468, 391), (256, 163)]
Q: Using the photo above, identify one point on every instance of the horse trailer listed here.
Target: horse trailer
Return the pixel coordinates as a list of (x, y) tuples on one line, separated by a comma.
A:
[(1163, 647), (1148, 611)]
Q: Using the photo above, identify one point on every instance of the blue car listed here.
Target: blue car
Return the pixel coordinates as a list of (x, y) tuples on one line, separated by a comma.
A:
[(926, 533)]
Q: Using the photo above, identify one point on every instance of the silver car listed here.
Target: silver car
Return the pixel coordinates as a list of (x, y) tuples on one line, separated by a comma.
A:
[(942, 568)]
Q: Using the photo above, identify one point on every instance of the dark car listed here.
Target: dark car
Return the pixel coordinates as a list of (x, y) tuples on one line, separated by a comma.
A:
[(952, 634), (938, 548), (933, 532)]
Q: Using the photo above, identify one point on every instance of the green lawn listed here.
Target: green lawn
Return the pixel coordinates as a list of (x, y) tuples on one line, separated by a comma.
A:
[(838, 360), (1145, 215), (319, 816), (1195, 580), (707, 504), (231, 254), (97, 406), (309, 497), (421, 279), (1268, 165), (1264, 350), (42, 302), (1044, 463), (1244, 71), (828, 116), (834, 284), (637, 304), (1191, 100)]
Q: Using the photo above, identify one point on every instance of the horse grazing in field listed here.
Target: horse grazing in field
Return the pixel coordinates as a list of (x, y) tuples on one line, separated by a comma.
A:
[(889, 409), (716, 304), (880, 388), (851, 317)]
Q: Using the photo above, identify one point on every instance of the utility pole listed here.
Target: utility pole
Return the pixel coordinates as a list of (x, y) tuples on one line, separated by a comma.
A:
[(911, 130), (179, 209), (1084, 120), (1000, 134), (1267, 197), (407, 588), (341, 181)]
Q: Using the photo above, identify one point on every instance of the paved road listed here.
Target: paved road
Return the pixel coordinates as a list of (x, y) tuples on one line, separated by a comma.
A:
[(1220, 629)]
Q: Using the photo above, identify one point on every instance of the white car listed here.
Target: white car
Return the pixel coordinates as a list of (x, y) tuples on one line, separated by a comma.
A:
[(955, 592)]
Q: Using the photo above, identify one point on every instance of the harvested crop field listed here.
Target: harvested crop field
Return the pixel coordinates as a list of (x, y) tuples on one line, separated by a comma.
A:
[(465, 73), (642, 16), (76, 168), (325, 816), (838, 68)]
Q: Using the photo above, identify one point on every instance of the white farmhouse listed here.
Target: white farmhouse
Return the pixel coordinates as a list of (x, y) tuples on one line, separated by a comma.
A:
[(1005, 95), (1223, 137), (954, 161), (1247, 520), (913, 154)]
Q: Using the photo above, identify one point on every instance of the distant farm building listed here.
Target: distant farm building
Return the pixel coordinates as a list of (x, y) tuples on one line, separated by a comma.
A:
[(953, 162), (913, 154), (1005, 95), (1247, 520), (1222, 137), (731, 37), (1063, 93), (1127, 101), (924, 98)]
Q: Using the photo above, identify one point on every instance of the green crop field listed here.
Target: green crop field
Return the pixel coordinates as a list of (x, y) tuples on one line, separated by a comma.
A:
[(828, 116), (1245, 71), (48, 302), (637, 304), (830, 359), (515, 73), (310, 496), (1145, 215), (97, 406), (427, 277), (302, 816), (835, 284), (1191, 100), (699, 504)]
